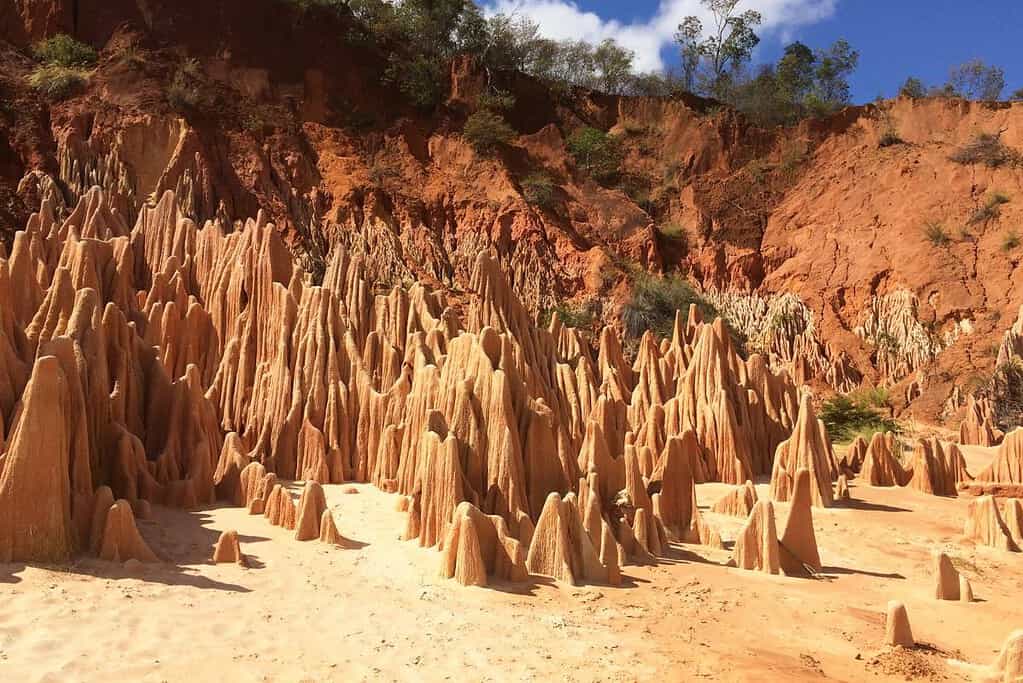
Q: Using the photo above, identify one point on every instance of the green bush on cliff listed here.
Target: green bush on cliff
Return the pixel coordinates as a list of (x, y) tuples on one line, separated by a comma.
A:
[(486, 131), (188, 90), (654, 302), (595, 152), (64, 66), (63, 50), (56, 82), (538, 189)]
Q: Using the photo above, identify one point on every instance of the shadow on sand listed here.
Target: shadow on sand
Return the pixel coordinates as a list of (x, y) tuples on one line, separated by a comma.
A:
[(178, 537), (855, 504)]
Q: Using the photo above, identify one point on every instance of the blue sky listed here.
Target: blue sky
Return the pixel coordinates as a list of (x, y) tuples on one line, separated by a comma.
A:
[(895, 38)]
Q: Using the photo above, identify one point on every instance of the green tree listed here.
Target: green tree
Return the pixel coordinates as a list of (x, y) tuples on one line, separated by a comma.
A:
[(512, 42), (913, 87), (688, 38), (795, 72), (419, 37), (486, 131), (975, 80), (730, 43), (654, 84), (596, 152), (831, 76), (763, 99), (613, 65)]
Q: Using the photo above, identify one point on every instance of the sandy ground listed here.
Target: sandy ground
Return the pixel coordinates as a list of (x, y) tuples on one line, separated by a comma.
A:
[(307, 612)]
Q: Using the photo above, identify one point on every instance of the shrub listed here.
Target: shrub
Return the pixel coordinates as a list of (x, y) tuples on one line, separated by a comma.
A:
[(793, 154), (497, 100), (188, 90), (1010, 241), (654, 302), (131, 55), (421, 80), (890, 138), (987, 149), (486, 130), (57, 82), (64, 65), (579, 316), (596, 152), (306, 5), (852, 415), (757, 170), (936, 234), (913, 87), (63, 50), (538, 189), (990, 208)]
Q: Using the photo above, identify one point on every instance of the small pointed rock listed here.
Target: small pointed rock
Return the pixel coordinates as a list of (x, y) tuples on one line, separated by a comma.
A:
[(228, 549), (897, 630)]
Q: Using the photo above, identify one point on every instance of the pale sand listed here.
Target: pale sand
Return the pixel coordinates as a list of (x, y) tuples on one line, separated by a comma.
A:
[(307, 612)]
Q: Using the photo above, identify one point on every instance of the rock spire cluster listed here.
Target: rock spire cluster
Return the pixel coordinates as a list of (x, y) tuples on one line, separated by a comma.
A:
[(176, 364)]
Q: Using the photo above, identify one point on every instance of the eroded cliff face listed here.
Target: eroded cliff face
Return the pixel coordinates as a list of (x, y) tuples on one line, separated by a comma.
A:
[(812, 238)]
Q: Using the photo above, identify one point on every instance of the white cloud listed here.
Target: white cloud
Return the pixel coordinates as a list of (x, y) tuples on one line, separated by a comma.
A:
[(561, 19)]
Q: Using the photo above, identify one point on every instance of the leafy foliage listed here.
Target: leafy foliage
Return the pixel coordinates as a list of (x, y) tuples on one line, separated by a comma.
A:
[(803, 82), (596, 152), (913, 87), (497, 100), (64, 66), (936, 234), (727, 47), (987, 149), (654, 302), (538, 189), (486, 131), (420, 79), (63, 50), (56, 82), (188, 90), (1010, 241), (852, 415), (975, 80), (418, 37), (580, 316)]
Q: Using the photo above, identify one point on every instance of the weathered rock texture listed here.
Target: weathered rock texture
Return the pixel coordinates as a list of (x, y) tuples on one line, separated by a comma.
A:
[(756, 547), (1007, 466), (985, 525), (228, 549), (978, 426), (180, 364), (897, 631), (946, 578), (798, 543), (738, 502), (1008, 667)]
